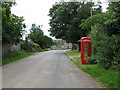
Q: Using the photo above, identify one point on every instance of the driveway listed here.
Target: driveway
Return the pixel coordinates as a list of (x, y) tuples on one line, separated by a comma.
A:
[(50, 69)]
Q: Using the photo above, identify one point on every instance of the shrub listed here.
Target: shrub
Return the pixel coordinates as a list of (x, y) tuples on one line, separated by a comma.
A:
[(30, 46), (110, 55), (105, 48), (35, 47), (27, 46), (14, 53), (41, 50), (91, 60)]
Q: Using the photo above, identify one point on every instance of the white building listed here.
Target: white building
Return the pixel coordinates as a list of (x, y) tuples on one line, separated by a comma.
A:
[(64, 45)]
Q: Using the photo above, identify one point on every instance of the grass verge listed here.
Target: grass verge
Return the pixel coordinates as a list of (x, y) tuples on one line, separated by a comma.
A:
[(108, 78), (14, 56)]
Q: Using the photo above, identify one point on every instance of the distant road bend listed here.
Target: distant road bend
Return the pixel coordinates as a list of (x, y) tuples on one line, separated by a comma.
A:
[(50, 69)]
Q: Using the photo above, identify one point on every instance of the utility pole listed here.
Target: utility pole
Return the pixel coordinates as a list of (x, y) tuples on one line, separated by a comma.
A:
[(91, 11)]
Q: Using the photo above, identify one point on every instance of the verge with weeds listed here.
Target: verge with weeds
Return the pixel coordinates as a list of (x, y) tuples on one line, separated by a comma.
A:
[(108, 78), (15, 55)]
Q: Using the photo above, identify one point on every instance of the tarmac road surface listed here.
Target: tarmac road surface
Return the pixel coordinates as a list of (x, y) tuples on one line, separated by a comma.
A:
[(50, 69)]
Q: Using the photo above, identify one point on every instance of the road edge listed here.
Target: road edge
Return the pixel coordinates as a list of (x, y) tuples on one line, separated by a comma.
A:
[(100, 83)]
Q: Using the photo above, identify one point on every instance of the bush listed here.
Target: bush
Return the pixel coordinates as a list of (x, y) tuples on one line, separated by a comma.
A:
[(47, 49), (110, 55), (36, 45), (91, 60), (27, 46), (105, 33), (41, 50), (30, 46), (14, 56), (14, 53), (105, 48)]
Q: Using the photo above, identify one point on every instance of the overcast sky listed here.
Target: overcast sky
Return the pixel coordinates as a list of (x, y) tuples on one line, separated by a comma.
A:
[(36, 11)]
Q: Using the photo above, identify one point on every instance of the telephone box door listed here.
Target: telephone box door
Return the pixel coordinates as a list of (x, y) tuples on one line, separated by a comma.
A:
[(85, 49)]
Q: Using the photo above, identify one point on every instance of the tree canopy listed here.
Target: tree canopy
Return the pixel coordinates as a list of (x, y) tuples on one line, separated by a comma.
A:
[(13, 29), (72, 20), (66, 18), (12, 25), (37, 36), (105, 32)]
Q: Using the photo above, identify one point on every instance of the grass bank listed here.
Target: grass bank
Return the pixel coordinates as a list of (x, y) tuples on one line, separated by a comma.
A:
[(14, 56), (108, 78)]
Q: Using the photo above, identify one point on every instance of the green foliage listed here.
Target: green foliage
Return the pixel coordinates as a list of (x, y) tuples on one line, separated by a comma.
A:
[(108, 78), (113, 24), (12, 25), (36, 45), (66, 18), (105, 48), (36, 34), (74, 53), (104, 29), (91, 60), (27, 46), (13, 53), (14, 56), (46, 49), (99, 18), (38, 37), (48, 42), (108, 52), (41, 50)]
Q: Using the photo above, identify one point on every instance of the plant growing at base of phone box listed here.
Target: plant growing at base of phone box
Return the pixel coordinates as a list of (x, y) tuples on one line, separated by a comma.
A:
[(91, 60)]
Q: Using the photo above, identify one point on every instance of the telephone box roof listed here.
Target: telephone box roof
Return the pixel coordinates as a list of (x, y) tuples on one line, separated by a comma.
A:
[(85, 38)]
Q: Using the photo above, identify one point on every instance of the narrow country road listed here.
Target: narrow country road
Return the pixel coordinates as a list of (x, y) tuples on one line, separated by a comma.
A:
[(50, 69)]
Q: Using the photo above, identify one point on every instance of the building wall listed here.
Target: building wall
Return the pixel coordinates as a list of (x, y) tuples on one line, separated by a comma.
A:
[(7, 47), (63, 44), (67, 45)]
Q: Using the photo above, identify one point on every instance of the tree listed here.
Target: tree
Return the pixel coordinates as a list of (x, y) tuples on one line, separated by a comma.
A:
[(66, 18), (37, 36), (12, 25), (105, 32), (48, 42), (113, 23), (99, 18)]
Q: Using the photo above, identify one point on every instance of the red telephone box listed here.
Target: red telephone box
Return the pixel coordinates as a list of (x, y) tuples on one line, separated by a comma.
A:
[(86, 49)]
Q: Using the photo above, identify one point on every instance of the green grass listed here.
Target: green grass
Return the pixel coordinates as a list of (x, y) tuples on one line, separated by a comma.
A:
[(0, 62), (108, 78), (73, 53), (14, 56)]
